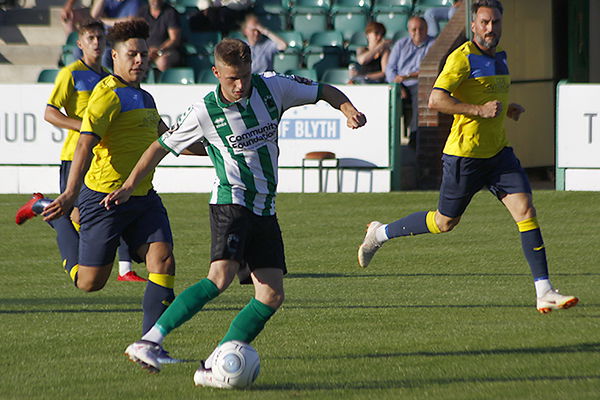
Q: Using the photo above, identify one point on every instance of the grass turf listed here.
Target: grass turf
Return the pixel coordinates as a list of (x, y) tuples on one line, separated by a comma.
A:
[(433, 317)]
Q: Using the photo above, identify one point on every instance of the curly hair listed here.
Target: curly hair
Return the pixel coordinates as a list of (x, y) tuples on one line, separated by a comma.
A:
[(233, 52), (477, 4), (136, 28), (89, 25)]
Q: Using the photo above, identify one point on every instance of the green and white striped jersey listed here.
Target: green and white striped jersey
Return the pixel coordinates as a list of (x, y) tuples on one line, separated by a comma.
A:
[(241, 138)]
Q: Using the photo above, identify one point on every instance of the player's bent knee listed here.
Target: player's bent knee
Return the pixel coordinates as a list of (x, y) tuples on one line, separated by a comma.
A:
[(272, 298)]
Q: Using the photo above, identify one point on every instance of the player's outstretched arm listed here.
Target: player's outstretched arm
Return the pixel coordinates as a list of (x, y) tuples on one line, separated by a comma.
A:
[(443, 102), (149, 160), (82, 158), (339, 101), (58, 119)]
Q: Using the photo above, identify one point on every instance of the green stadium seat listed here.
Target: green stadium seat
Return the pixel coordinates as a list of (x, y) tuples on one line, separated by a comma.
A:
[(321, 62), (327, 41), (358, 39), (47, 75), (236, 35), (303, 72), (309, 23), (433, 3), (348, 23), (72, 39), (274, 22), (336, 76), (284, 61), (206, 76), (271, 6), (180, 75), (396, 6), (393, 22), (205, 40), (352, 6), (311, 6), (151, 76), (294, 40)]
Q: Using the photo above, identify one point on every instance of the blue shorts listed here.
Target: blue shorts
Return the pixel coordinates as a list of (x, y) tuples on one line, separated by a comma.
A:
[(141, 220), (464, 176)]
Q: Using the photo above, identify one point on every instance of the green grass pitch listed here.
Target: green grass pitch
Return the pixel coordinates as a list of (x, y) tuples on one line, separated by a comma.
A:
[(433, 317)]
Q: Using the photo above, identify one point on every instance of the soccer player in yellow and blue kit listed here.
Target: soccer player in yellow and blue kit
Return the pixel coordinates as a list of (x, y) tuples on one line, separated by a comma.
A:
[(71, 92), (120, 122), (474, 86)]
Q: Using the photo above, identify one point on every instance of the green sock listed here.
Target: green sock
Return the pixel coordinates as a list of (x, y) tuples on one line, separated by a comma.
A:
[(186, 305), (249, 322)]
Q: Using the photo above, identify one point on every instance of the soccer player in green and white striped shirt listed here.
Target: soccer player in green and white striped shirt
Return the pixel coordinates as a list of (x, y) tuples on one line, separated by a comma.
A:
[(237, 123)]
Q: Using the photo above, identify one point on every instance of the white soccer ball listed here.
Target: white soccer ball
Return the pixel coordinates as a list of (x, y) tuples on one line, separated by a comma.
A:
[(236, 365)]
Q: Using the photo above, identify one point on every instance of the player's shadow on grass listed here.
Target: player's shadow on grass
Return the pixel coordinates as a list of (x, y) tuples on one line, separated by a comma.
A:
[(414, 383)]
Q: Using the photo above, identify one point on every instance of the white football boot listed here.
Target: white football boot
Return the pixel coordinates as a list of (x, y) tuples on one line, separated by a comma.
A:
[(552, 300), (146, 354), (370, 245), (204, 377)]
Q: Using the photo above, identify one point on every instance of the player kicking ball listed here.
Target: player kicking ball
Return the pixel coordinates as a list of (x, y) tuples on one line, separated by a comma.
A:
[(238, 125), (473, 86)]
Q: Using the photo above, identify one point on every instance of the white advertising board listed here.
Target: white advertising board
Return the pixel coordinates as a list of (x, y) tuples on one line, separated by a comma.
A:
[(27, 140), (578, 126)]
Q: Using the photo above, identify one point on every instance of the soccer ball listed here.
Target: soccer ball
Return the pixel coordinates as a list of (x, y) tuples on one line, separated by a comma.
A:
[(236, 365)]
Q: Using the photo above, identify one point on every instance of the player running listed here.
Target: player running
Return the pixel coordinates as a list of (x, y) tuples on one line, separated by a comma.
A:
[(473, 86), (119, 123), (238, 124), (72, 90)]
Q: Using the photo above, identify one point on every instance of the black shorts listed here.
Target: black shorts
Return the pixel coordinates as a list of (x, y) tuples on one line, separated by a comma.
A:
[(239, 234)]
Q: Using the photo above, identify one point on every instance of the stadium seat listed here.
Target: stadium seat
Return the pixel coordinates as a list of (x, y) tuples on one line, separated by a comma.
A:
[(328, 41), (271, 6), (349, 23), (395, 6), (303, 72), (358, 39), (336, 76), (206, 76), (180, 75), (72, 39), (274, 22), (197, 58), (351, 6), (311, 6), (321, 62), (294, 40), (151, 76), (284, 61), (236, 35), (205, 40), (309, 23), (47, 75), (393, 22), (433, 3)]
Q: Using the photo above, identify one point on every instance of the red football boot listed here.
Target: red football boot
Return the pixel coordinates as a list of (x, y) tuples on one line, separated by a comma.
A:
[(131, 276), (25, 212)]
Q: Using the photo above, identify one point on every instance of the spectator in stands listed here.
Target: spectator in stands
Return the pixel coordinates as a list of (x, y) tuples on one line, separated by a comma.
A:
[(219, 15), (71, 16), (165, 34), (435, 15), (113, 11), (403, 66), (373, 59), (263, 43)]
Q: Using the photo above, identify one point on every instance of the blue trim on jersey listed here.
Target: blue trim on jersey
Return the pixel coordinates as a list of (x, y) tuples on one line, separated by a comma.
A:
[(53, 106), (85, 80), (134, 99), (90, 133), (483, 65), (442, 89)]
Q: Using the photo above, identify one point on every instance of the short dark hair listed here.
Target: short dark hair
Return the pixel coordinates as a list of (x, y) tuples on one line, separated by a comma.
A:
[(233, 52), (89, 25), (136, 28), (477, 4), (376, 27)]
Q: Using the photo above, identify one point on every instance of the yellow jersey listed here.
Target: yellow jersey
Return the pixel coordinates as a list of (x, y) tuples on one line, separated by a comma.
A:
[(72, 88), (125, 120), (473, 77)]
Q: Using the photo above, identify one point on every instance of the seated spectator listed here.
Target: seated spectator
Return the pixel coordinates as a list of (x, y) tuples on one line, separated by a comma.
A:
[(373, 59), (433, 16), (219, 15), (112, 11), (165, 34), (404, 63), (71, 16), (263, 43)]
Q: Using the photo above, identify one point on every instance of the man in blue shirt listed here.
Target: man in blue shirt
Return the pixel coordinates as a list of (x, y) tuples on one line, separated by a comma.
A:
[(263, 43), (405, 61)]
